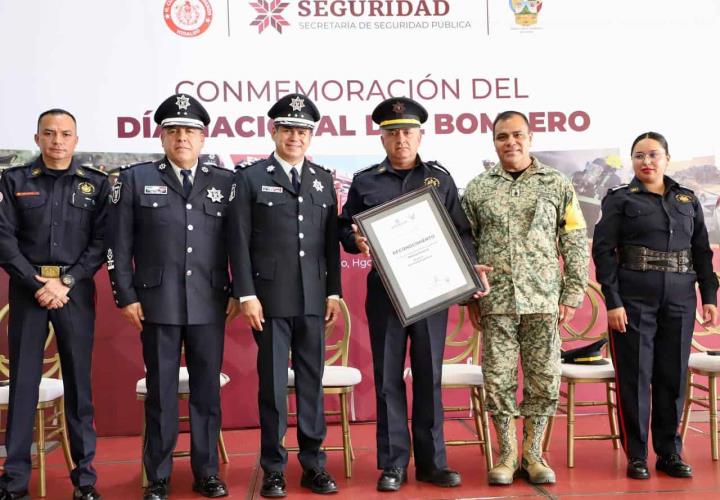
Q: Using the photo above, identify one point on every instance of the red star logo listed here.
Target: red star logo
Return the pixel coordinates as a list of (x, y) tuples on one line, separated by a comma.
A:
[(269, 14)]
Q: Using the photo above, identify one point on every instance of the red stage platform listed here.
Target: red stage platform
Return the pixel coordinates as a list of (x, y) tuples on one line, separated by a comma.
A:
[(599, 471)]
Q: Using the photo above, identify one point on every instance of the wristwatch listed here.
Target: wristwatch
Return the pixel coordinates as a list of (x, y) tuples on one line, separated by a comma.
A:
[(68, 280)]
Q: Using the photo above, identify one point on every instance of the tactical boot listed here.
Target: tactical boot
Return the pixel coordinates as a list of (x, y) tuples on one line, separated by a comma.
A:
[(507, 463), (538, 470)]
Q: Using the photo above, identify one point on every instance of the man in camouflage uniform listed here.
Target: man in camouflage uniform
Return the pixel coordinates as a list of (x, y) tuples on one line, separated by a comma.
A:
[(524, 216)]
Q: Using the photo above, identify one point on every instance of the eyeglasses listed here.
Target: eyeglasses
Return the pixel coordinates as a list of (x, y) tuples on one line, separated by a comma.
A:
[(653, 155)]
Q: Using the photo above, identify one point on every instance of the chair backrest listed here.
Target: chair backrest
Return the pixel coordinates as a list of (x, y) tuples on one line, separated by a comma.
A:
[(51, 361), (337, 338), (590, 321), (705, 338), (462, 342)]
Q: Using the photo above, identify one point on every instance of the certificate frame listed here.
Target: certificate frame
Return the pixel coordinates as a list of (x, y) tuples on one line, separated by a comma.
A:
[(458, 280)]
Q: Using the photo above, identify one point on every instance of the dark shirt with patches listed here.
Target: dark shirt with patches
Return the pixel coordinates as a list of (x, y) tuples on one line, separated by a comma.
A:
[(632, 215), (50, 217)]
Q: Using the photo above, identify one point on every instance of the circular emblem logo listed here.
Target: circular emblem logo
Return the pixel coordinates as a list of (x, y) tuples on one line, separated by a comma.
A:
[(188, 18)]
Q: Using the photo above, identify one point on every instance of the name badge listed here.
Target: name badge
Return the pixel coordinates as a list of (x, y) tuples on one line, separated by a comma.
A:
[(155, 189), (272, 189)]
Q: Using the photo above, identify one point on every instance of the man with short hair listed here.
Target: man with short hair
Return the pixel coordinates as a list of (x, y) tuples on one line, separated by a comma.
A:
[(52, 224), (168, 263), (524, 217), (400, 172), (286, 273)]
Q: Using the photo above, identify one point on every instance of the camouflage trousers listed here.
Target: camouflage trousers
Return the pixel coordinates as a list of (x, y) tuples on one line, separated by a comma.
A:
[(535, 337)]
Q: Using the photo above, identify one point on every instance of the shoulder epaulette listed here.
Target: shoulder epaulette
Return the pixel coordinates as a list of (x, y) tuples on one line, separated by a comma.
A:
[(686, 188), (13, 167), (131, 165), (436, 164), (246, 163), (366, 169), (96, 170), (615, 188), (320, 166)]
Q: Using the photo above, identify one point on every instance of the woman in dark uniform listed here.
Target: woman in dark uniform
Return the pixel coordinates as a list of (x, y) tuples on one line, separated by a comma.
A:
[(650, 248)]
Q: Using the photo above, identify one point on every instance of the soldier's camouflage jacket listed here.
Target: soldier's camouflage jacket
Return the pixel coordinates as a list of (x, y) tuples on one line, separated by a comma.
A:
[(521, 228)]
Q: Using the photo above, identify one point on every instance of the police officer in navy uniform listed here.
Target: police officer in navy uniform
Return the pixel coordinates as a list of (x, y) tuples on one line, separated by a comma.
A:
[(52, 225), (168, 264), (286, 272), (400, 172), (650, 248)]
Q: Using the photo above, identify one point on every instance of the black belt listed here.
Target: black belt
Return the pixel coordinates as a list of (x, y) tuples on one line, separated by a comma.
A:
[(637, 258), (51, 271)]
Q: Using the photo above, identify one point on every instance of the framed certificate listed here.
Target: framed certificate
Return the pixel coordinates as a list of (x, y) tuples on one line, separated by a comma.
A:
[(419, 255)]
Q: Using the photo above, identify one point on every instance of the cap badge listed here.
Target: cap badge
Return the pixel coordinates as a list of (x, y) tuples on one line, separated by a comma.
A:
[(318, 185), (297, 104), (215, 195), (398, 108), (183, 102)]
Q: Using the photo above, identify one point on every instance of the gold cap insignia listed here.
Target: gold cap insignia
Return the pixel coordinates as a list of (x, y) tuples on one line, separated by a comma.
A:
[(683, 198), (86, 188), (432, 181)]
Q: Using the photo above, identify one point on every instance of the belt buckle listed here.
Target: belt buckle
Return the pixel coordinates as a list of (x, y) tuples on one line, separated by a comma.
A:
[(50, 271)]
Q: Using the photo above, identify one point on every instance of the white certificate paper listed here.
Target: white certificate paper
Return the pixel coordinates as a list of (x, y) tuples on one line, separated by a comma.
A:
[(421, 260)]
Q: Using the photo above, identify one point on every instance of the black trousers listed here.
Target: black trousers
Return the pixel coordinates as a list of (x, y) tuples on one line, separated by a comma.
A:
[(305, 336), (203, 355), (28, 330), (388, 340), (651, 358)]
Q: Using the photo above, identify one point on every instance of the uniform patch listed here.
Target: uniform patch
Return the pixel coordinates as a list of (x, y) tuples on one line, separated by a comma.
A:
[(684, 198), (86, 188), (36, 171), (232, 193), (215, 195), (272, 189), (573, 215), (432, 181), (318, 185), (27, 193), (634, 189), (271, 168), (110, 260), (115, 192), (155, 190)]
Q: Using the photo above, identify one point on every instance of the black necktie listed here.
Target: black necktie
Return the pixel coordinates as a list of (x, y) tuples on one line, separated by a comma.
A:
[(187, 185), (295, 178)]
